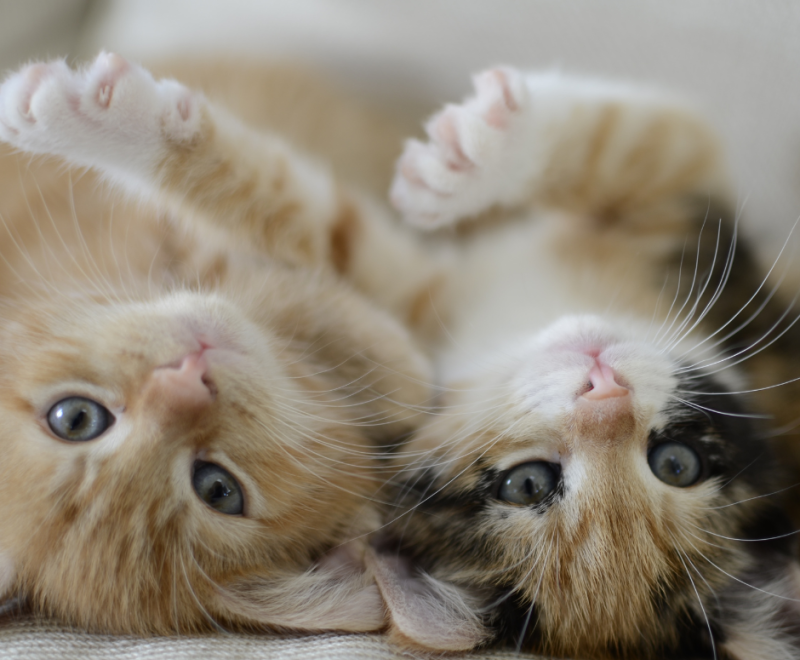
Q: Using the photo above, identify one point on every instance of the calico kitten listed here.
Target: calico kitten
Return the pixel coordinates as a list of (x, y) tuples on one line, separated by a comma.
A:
[(596, 482), (189, 411)]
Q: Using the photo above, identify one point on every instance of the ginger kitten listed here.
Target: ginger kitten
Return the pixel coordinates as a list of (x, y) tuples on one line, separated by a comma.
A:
[(192, 396)]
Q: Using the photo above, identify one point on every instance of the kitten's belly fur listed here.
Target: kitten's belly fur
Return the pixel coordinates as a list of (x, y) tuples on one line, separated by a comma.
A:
[(516, 281)]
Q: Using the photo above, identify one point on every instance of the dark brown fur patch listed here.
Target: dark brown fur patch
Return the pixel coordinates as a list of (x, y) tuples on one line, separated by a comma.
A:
[(343, 234)]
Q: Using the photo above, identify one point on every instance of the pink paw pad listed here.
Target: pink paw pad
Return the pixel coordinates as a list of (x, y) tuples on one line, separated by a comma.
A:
[(443, 131), (32, 77), (112, 114), (496, 96), (18, 92), (184, 106), (455, 172), (107, 69)]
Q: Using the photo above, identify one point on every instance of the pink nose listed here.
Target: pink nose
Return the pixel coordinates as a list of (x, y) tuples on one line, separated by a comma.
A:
[(603, 383), (185, 384)]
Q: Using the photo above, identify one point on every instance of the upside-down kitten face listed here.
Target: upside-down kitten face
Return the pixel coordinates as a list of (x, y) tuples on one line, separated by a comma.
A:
[(597, 493), (157, 451), (188, 429), (595, 483)]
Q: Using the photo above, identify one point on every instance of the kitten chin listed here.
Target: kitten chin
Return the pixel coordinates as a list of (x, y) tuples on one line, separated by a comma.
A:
[(169, 461)]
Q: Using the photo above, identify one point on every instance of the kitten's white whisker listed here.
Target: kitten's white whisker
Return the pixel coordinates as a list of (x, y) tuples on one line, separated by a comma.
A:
[(723, 340), (723, 281), (755, 294), (748, 351), (206, 614), (699, 600), (85, 251), (658, 338), (85, 276), (740, 540), (740, 581), (697, 406), (535, 596), (671, 340)]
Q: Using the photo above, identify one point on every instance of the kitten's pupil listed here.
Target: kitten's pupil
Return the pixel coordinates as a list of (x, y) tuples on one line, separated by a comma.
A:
[(532, 487), (78, 421), (219, 490), (529, 483), (675, 464)]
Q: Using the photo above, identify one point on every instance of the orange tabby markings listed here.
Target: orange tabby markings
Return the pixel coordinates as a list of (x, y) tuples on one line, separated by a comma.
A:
[(192, 413)]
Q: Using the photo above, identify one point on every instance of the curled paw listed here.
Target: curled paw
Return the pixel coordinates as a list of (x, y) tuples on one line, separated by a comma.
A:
[(459, 171), (111, 113)]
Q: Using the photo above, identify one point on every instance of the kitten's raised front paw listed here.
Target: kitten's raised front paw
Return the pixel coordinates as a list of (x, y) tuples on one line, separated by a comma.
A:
[(112, 114), (465, 166)]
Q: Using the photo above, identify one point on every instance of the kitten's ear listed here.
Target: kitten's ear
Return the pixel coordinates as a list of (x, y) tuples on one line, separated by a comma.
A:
[(425, 612), (337, 594), (762, 613)]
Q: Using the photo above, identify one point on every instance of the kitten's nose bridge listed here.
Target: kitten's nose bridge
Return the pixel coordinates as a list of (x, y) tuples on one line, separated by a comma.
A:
[(606, 419)]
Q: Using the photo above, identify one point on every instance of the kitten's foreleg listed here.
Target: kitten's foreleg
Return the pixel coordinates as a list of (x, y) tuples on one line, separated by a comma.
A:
[(582, 145), (162, 140)]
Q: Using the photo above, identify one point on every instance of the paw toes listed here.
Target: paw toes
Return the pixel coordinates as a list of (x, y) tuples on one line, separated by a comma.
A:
[(419, 186), (111, 113), (180, 113), (425, 166), (24, 98), (184, 106), (478, 139), (28, 83), (103, 76), (475, 148), (418, 205), (116, 93), (443, 131), (499, 93)]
